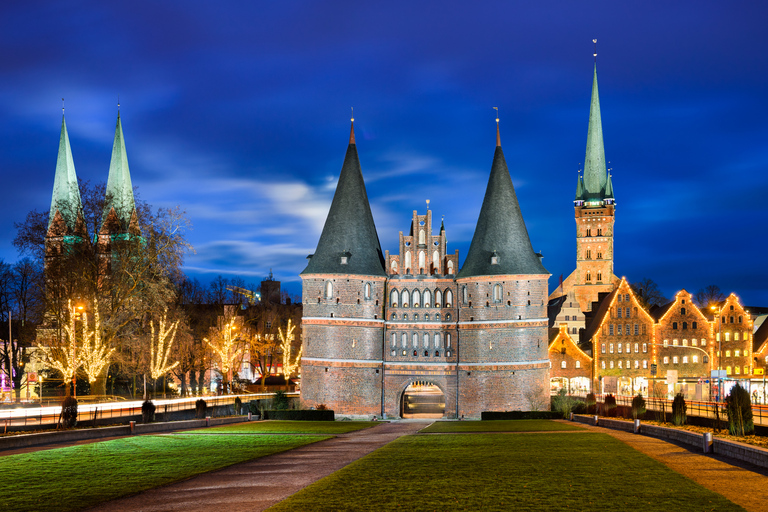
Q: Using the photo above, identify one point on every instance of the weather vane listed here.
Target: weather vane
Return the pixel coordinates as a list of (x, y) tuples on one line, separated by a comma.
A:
[(497, 114), (62, 105), (353, 113), (427, 204), (595, 54)]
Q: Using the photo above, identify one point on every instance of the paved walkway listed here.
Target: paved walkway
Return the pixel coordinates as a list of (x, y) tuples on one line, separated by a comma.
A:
[(743, 483), (259, 484)]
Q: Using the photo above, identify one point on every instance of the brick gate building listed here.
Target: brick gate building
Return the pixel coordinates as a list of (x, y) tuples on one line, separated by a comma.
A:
[(376, 323)]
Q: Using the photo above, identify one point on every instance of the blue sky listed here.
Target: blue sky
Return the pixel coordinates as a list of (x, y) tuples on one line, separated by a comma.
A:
[(239, 112)]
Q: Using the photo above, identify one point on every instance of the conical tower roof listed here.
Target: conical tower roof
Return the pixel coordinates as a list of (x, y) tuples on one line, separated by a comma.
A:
[(579, 189), (119, 187), (349, 243), (595, 175), (500, 245), (609, 189), (66, 193)]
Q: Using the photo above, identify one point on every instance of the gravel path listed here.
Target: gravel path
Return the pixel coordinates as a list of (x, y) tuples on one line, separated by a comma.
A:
[(256, 485)]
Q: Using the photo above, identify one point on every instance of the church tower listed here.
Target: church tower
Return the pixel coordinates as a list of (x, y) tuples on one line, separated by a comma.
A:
[(66, 225), (503, 362), (119, 220), (343, 289), (594, 207)]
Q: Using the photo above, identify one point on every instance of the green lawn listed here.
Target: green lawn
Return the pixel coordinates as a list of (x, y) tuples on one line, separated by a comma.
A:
[(500, 426), (77, 477), (506, 472), (290, 427)]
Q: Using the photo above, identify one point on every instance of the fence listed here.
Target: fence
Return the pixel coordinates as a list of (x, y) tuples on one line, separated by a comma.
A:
[(48, 417)]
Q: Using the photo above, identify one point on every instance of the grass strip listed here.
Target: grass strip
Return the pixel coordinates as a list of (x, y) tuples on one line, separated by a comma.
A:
[(291, 427), (499, 426), (78, 477), (506, 472)]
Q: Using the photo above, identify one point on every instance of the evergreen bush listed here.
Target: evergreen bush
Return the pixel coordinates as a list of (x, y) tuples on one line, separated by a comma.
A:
[(68, 417), (739, 407), (201, 409), (147, 411), (280, 401), (563, 403), (609, 405), (678, 410), (591, 403), (638, 406)]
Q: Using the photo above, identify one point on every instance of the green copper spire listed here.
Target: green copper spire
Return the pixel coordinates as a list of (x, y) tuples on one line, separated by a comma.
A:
[(595, 175), (579, 189), (119, 188), (609, 189), (66, 193)]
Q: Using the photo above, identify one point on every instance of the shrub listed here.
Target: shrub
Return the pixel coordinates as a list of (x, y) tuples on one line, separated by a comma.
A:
[(591, 402), (299, 415), (609, 405), (678, 410), (321, 407), (563, 403), (238, 405), (68, 417), (201, 409), (638, 406), (739, 407), (280, 401), (147, 411), (579, 407)]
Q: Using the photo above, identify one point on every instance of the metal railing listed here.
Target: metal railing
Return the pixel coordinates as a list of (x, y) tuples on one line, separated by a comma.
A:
[(48, 416)]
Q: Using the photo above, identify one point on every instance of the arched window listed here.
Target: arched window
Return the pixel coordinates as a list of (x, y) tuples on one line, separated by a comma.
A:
[(427, 298), (450, 267), (447, 340), (438, 298), (422, 262), (367, 293), (448, 298), (437, 317), (426, 340), (563, 364), (404, 298), (393, 266), (685, 325), (436, 262), (421, 237), (437, 340), (394, 340), (393, 298), (328, 290), (404, 340), (415, 341), (589, 277), (407, 262), (415, 299), (464, 294), (578, 364), (497, 293)]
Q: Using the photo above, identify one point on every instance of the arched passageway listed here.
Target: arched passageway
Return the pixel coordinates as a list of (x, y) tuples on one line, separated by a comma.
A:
[(422, 400)]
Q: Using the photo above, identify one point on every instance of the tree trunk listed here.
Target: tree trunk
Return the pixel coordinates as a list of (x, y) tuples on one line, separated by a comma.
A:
[(99, 386), (183, 380), (193, 382), (201, 380)]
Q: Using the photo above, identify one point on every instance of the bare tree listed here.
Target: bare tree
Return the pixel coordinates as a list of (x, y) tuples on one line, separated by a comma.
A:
[(648, 293), (709, 296)]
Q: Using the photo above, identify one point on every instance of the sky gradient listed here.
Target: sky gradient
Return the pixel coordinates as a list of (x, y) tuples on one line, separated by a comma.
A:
[(239, 113)]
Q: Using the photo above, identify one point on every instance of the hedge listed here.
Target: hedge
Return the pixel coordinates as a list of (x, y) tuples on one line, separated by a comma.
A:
[(519, 415), (299, 415)]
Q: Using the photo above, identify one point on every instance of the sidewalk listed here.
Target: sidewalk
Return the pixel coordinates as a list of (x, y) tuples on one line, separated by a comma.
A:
[(256, 485), (740, 482)]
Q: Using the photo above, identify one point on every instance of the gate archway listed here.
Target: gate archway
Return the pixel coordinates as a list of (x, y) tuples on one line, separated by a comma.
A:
[(422, 399)]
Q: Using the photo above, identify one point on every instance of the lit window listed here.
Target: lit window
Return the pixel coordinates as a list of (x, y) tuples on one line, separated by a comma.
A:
[(604, 364), (685, 359), (562, 364), (728, 370), (736, 353), (627, 348), (727, 353), (674, 343), (694, 342), (637, 347), (645, 348), (645, 364), (738, 370), (675, 360), (619, 363), (610, 348), (695, 359), (703, 342), (666, 360), (746, 370), (602, 349), (637, 364), (685, 343), (611, 364), (735, 336), (578, 364), (666, 343), (746, 336)]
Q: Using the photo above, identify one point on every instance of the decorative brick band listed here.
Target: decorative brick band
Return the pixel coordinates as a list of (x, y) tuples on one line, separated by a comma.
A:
[(359, 322), (484, 324), (340, 363)]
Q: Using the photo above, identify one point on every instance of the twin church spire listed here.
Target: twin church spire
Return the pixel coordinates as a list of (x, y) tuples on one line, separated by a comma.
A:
[(66, 213)]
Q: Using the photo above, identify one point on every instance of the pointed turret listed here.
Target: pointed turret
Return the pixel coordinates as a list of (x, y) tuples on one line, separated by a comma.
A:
[(349, 243), (66, 215), (579, 189), (500, 245), (120, 209), (609, 189), (595, 175)]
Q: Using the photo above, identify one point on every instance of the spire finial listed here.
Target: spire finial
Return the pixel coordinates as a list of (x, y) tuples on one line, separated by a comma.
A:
[(62, 106), (118, 103), (427, 204), (595, 53), (352, 130), (498, 135)]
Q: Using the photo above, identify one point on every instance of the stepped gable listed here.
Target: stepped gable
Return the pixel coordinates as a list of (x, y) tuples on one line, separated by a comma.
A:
[(500, 245), (349, 243)]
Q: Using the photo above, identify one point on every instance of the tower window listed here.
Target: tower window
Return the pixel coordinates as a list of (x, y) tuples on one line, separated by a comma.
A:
[(589, 254), (328, 290), (599, 255)]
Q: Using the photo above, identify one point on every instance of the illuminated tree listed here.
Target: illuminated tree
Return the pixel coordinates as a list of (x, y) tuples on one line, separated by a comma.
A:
[(160, 347), (287, 337), (227, 347), (61, 353), (96, 355)]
